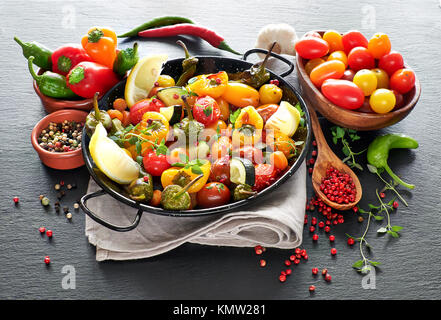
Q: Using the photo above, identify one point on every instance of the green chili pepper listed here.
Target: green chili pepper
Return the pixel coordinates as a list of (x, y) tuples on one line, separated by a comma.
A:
[(155, 23), (243, 191), (126, 60), (96, 116), (41, 54), (141, 189), (51, 84), (189, 65), (378, 152), (190, 126), (256, 76), (175, 197)]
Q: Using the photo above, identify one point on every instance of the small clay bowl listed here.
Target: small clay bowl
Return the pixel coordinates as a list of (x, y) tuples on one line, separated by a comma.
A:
[(53, 104), (353, 119), (59, 160)]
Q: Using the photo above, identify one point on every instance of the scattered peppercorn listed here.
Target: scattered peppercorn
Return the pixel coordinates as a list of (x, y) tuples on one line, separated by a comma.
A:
[(282, 278), (262, 263), (338, 187), (69, 186), (76, 206), (324, 272), (360, 219), (42, 229), (351, 241), (328, 277), (47, 260), (315, 237), (258, 249), (16, 200), (311, 288), (287, 263), (57, 186), (49, 233), (327, 229), (61, 137), (315, 271), (331, 238), (395, 204), (333, 251), (45, 201), (288, 271)]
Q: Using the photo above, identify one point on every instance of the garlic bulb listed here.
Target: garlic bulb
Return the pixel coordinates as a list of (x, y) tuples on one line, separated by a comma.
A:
[(282, 33)]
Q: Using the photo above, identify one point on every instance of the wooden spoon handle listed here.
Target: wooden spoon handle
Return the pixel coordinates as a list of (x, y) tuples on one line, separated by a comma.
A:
[(318, 133)]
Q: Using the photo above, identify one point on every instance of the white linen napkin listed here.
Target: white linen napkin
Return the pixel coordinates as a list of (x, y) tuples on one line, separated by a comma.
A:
[(276, 221)]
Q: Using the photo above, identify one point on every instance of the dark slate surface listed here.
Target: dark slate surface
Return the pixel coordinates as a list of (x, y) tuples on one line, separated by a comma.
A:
[(410, 265)]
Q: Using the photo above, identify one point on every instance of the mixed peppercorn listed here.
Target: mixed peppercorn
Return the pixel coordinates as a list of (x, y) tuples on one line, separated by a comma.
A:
[(61, 137)]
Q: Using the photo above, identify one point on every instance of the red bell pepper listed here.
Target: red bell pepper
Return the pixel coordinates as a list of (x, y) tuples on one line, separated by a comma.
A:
[(87, 77), (68, 56)]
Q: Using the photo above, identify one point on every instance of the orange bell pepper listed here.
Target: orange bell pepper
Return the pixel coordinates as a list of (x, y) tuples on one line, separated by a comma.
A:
[(213, 85), (100, 44)]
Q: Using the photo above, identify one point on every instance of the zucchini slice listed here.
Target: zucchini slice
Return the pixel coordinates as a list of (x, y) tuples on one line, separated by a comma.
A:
[(173, 114), (171, 96), (242, 171)]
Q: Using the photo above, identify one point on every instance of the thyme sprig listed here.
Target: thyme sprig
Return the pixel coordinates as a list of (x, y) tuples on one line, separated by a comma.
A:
[(339, 133)]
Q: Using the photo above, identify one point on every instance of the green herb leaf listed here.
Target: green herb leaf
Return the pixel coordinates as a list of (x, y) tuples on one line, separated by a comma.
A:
[(378, 218), (358, 264), (196, 169), (233, 116), (372, 168), (396, 228), (393, 234), (138, 147)]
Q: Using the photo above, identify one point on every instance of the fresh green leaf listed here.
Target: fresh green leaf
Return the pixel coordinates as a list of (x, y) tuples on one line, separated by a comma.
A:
[(393, 234), (378, 218), (372, 168), (346, 151), (374, 263), (396, 228), (196, 169), (373, 207), (138, 147), (358, 264)]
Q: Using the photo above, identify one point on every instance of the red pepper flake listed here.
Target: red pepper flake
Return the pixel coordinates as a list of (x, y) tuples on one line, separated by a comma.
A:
[(49, 233), (16, 200), (42, 229), (47, 260)]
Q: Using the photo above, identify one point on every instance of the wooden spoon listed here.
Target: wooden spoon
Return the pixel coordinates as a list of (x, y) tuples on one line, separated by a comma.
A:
[(325, 159)]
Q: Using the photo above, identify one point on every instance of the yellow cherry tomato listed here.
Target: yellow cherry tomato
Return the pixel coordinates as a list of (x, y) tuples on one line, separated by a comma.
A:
[(382, 78), (270, 94), (165, 81), (366, 80), (382, 101), (241, 95), (339, 55), (311, 64), (334, 40)]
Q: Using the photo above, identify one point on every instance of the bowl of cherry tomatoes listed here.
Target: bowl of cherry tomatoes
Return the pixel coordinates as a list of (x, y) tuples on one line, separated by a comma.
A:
[(354, 82)]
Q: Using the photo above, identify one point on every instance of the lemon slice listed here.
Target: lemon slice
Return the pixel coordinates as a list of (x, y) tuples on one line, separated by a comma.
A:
[(113, 161), (142, 78), (286, 119)]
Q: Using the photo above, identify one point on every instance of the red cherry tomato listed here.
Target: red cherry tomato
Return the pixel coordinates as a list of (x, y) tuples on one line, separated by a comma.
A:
[(352, 39), (206, 110), (143, 106), (360, 58), (348, 75), (155, 164), (343, 93), (402, 80), (333, 69), (399, 98), (213, 194), (311, 47), (391, 62)]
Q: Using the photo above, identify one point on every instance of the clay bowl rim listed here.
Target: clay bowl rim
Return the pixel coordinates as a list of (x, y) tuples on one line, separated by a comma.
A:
[(363, 115), (41, 124), (54, 101)]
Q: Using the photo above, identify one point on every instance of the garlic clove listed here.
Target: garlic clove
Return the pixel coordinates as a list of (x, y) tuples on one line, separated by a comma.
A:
[(282, 33)]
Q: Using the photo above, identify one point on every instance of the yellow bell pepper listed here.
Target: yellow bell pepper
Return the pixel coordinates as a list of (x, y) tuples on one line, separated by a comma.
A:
[(248, 127), (213, 85), (173, 174), (100, 44)]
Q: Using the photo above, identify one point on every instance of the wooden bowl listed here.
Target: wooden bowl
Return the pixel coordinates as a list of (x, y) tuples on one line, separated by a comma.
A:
[(353, 119), (53, 104), (59, 160)]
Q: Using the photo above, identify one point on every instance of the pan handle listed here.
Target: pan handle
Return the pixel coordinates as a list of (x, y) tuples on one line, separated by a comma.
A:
[(275, 55), (109, 225)]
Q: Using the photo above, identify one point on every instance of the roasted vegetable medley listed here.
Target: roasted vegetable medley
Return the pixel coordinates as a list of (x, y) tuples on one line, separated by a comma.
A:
[(201, 141)]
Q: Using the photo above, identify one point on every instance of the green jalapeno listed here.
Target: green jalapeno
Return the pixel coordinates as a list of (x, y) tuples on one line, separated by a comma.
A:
[(378, 152), (175, 197), (51, 84)]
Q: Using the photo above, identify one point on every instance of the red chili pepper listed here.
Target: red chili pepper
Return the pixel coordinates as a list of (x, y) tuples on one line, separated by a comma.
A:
[(68, 56), (90, 77), (192, 30)]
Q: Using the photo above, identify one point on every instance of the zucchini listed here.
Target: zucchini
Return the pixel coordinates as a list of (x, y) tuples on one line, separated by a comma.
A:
[(171, 96), (242, 171), (173, 114)]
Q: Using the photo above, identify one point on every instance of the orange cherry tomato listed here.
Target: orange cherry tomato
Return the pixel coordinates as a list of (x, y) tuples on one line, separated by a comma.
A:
[(382, 78), (120, 104), (278, 160), (241, 95), (339, 55), (224, 108), (311, 64), (334, 40), (379, 45), (333, 69)]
